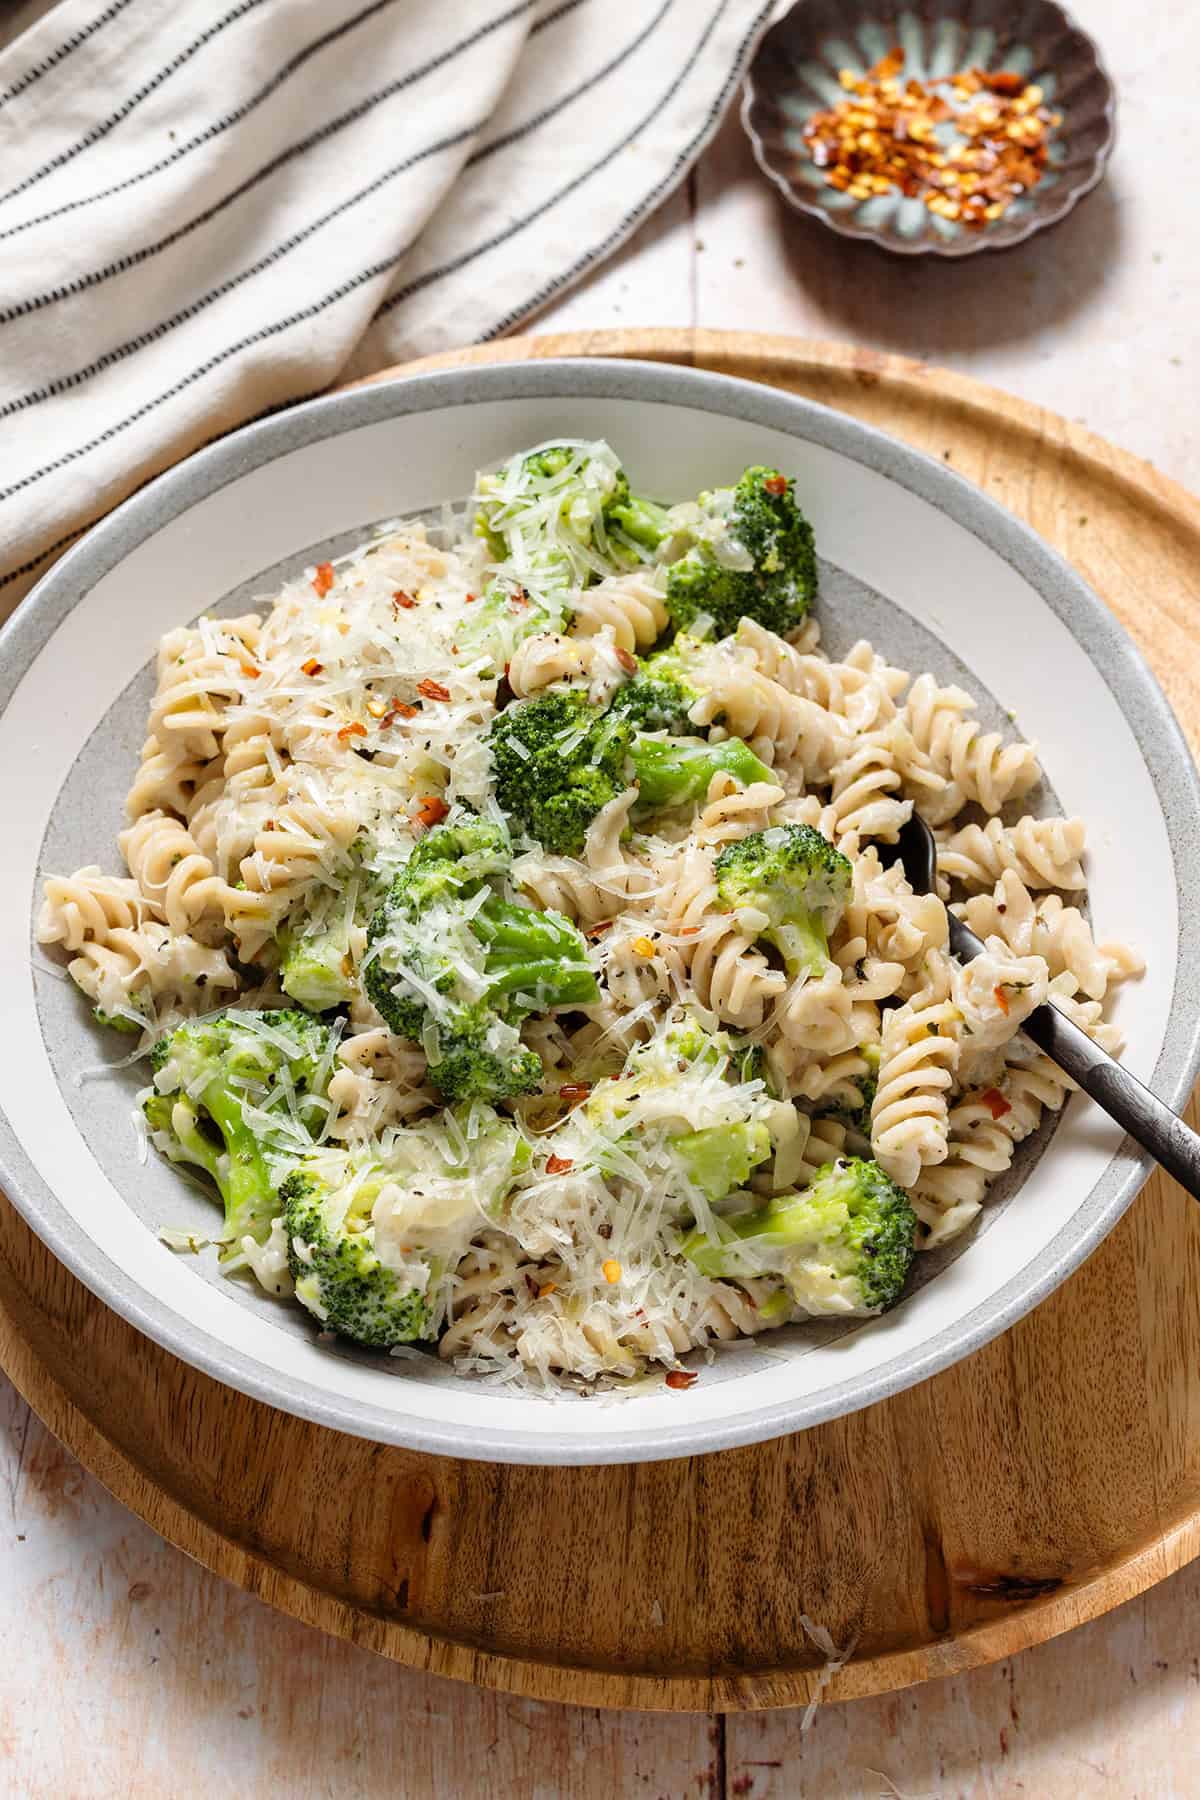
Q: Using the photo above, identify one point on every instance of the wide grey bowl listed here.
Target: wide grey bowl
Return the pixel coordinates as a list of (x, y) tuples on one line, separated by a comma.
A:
[(795, 74), (912, 556)]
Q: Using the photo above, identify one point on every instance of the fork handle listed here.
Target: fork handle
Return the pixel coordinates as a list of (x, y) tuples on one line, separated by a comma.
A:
[(1118, 1093)]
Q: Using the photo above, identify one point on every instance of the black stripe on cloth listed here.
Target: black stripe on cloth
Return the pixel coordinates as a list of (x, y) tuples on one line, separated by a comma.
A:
[(262, 335), (62, 384), (518, 225), (649, 202), (122, 264), (102, 129), (27, 568), (560, 12), (548, 112), (277, 80), (64, 50)]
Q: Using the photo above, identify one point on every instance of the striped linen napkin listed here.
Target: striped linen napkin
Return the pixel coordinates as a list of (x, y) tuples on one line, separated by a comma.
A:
[(210, 208)]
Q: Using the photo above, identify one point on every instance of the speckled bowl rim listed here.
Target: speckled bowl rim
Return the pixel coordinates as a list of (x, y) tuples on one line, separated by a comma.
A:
[(972, 243), (1111, 651)]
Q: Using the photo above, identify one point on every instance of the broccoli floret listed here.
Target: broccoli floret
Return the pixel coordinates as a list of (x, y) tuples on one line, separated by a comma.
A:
[(674, 771), (338, 1275), (209, 1073), (651, 1092), (511, 610), (557, 760), (685, 1041), (370, 1234), (456, 857), (453, 965), (666, 687), (655, 702), (747, 552), (568, 504), (719, 1158), (797, 881), (844, 1245), (316, 964)]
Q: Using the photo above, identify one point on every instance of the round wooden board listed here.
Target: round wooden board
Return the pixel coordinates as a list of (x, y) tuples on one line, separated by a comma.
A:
[(1051, 1476)]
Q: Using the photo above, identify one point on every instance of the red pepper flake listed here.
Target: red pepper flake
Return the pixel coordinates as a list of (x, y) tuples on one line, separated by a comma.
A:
[(995, 1102), (571, 1091), (626, 661), (433, 690), (432, 810), (469, 600), (323, 580), (252, 670), (682, 1378), (600, 927), (399, 709), (399, 599), (1001, 999), (519, 601), (349, 731), (311, 667), (1003, 81), (775, 485), (558, 1165), (689, 930)]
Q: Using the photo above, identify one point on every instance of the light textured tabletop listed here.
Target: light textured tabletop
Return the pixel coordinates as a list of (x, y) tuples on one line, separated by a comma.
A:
[(124, 1668)]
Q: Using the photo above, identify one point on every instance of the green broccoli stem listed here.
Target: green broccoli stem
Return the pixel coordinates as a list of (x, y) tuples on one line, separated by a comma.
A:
[(782, 1222), (313, 971), (803, 944), (246, 1188), (538, 955), (643, 521), (176, 1116), (672, 772)]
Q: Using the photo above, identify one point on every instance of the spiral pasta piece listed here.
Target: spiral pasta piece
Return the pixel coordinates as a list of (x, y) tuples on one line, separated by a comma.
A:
[(171, 872), (778, 726), (200, 670), (1047, 928), (814, 1014), (631, 606), (732, 811), (165, 782), (151, 966), (89, 906), (975, 764), (552, 659), (707, 952), (380, 1081), (918, 1059), (866, 784), (861, 690), (302, 842), (1042, 853)]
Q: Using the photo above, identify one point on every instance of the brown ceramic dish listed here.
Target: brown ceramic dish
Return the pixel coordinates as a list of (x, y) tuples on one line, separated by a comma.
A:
[(795, 74)]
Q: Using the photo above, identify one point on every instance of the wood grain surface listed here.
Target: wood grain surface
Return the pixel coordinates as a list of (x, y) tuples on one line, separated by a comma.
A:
[(1046, 1479)]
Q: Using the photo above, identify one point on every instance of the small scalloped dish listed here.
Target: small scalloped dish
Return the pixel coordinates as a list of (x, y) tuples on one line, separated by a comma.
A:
[(796, 75)]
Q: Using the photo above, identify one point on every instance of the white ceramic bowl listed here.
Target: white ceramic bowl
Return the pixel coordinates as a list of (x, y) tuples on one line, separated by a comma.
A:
[(915, 557)]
